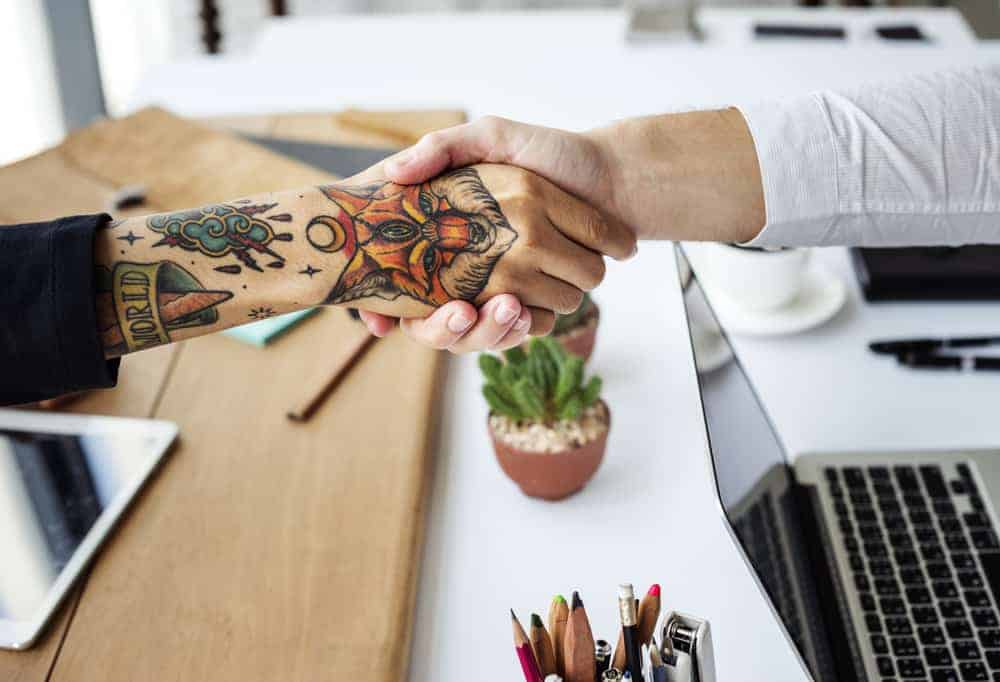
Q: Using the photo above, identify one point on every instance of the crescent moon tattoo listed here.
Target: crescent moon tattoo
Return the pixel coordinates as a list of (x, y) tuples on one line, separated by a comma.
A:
[(326, 234)]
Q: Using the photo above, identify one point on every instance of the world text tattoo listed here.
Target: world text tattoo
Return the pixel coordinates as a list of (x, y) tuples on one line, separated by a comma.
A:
[(140, 304)]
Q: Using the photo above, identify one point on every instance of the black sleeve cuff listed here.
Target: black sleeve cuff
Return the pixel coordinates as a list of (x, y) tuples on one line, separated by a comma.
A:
[(49, 340)]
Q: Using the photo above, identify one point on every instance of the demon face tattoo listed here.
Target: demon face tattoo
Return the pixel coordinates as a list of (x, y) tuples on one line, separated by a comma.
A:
[(435, 242)]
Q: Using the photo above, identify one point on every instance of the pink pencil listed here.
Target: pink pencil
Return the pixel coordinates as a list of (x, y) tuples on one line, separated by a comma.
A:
[(524, 653)]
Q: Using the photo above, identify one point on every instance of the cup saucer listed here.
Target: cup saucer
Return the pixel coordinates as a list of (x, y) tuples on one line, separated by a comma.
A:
[(822, 295)]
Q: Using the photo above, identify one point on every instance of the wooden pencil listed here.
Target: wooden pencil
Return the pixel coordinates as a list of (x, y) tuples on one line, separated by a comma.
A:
[(541, 644), (319, 388), (649, 612), (579, 648), (558, 615), (529, 666)]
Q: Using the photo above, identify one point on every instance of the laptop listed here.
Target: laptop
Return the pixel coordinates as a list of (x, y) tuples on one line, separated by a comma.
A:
[(879, 565)]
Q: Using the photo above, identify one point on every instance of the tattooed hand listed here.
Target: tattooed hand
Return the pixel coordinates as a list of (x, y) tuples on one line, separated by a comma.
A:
[(467, 235)]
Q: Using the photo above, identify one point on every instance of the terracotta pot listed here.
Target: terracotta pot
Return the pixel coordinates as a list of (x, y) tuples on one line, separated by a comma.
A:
[(580, 340), (551, 475)]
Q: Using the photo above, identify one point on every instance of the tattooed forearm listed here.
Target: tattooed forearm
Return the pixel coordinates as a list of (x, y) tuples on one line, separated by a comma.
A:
[(174, 275)]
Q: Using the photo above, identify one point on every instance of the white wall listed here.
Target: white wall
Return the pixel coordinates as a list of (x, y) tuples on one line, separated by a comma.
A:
[(30, 118), (131, 36)]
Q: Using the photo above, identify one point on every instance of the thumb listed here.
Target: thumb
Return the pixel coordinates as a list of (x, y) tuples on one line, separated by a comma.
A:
[(487, 140)]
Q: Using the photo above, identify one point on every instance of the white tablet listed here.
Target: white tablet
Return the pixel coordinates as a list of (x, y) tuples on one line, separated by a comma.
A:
[(64, 481)]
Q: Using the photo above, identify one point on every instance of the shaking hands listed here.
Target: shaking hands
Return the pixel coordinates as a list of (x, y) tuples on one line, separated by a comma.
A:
[(678, 176)]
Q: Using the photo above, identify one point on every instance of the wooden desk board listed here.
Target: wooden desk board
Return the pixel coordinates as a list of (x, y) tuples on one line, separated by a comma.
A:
[(263, 549)]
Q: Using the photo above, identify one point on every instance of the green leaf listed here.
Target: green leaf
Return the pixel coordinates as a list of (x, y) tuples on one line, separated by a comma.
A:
[(510, 374), (515, 356), (535, 370), (490, 366), (572, 409), (570, 376), (555, 349), (591, 392), (529, 400), (548, 365), (506, 392), (501, 404)]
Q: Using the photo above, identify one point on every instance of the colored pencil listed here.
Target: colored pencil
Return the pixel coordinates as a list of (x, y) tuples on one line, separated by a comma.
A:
[(541, 644), (524, 654), (649, 612), (558, 615), (579, 649)]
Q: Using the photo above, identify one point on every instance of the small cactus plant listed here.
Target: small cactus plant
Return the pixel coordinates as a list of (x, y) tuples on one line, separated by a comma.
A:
[(544, 384)]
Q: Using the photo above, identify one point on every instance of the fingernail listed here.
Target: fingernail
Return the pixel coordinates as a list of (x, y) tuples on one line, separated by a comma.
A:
[(522, 324), (635, 250), (506, 313), (458, 323)]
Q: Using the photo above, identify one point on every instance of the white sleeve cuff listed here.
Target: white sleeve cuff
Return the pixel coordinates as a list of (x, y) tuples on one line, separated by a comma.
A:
[(798, 167)]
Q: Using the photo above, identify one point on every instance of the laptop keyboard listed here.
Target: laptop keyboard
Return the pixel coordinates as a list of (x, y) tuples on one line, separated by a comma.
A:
[(925, 560)]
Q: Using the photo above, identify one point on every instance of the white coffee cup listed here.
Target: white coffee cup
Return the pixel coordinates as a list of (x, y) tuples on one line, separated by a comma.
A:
[(760, 279)]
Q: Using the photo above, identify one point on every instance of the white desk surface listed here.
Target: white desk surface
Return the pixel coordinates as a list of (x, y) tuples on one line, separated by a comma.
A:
[(649, 515)]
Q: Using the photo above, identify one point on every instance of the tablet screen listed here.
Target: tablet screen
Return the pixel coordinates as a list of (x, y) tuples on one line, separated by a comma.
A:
[(59, 491)]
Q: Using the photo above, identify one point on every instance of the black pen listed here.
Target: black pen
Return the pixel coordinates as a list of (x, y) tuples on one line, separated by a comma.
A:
[(630, 631), (900, 346), (930, 361), (798, 31), (979, 363)]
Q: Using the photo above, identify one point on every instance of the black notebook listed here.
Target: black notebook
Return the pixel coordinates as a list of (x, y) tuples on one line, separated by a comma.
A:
[(967, 273)]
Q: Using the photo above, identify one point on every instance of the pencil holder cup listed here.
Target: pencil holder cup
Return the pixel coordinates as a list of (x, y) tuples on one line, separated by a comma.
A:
[(554, 475)]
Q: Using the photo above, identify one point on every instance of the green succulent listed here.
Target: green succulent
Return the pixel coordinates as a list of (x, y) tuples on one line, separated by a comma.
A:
[(569, 321), (544, 383)]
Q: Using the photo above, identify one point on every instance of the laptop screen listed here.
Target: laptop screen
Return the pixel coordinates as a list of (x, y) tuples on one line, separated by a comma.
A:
[(754, 481)]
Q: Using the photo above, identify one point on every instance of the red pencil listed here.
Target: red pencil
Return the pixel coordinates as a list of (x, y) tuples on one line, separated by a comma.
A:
[(524, 653)]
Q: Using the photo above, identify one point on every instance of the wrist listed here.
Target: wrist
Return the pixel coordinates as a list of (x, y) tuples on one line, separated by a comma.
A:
[(715, 176), (691, 176)]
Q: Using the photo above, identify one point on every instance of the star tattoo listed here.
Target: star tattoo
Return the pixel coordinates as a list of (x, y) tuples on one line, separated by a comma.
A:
[(130, 238), (310, 270), (261, 313)]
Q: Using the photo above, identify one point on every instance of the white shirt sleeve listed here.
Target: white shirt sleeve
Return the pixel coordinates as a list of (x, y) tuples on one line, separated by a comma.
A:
[(916, 162)]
